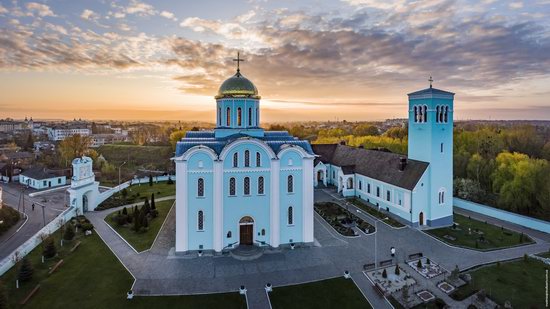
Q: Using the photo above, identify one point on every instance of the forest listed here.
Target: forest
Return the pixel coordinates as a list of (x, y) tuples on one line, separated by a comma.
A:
[(498, 165)]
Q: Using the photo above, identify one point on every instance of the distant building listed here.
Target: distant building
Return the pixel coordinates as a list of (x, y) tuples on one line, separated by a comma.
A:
[(60, 132), (103, 139), (9, 125), (417, 189), (22, 159), (39, 177)]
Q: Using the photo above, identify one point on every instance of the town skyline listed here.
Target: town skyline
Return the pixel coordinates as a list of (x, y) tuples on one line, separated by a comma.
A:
[(353, 60)]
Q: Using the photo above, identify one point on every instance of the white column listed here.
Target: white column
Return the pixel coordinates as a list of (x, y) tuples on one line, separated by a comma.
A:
[(275, 234), (307, 200), (218, 206), (182, 222)]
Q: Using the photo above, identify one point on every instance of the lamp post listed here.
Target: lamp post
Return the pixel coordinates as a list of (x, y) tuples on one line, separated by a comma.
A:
[(119, 174), (43, 213)]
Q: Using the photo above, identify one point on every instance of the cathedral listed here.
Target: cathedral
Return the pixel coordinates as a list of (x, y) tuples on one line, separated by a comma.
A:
[(239, 184)]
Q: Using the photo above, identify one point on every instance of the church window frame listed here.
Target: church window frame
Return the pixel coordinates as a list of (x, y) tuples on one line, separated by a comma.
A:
[(360, 185), (250, 116), (236, 159), (247, 158), (219, 116), (437, 113), (261, 185), (388, 195), (239, 117), (228, 117), (446, 113), (377, 191), (232, 186), (441, 146), (246, 186), (368, 188), (290, 216), (424, 114), (290, 184), (441, 196), (200, 221), (258, 159), (415, 108), (200, 187)]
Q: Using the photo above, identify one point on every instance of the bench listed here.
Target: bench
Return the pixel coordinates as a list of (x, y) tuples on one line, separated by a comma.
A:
[(55, 267), (75, 246), (385, 262), (369, 266), (26, 299), (415, 255)]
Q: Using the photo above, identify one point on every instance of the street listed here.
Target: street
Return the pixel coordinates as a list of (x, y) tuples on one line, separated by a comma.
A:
[(53, 206)]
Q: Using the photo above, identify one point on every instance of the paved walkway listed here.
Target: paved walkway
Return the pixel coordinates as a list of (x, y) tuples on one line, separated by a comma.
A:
[(330, 257)]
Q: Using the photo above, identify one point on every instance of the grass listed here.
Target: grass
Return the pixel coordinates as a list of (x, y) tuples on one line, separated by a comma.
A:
[(137, 193), (148, 157), (9, 217), (142, 240), (331, 293), (92, 277), (334, 215), (521, 282), (494, 237), (371, 210), (545, 254)]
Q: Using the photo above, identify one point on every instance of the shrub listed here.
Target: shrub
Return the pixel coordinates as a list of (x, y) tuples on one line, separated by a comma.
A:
[(69, 232), (419, 263), (49, 248), (525, 257), (124, 211), (87, 226), (428, 261), (25, 271), (153, 201), (520, 238), (121, 219), (384, 274), (397, 271), (170, 181), (154, 213)]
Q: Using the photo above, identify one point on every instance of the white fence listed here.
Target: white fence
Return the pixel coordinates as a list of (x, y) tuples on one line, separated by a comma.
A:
[(155, 179), (35, 240)]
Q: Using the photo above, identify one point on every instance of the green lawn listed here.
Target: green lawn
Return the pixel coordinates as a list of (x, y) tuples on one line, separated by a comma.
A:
[(143, 240), (371, 210), (331, 293), (494, 237), (137, 193), (521, 282), (92, 277), (544, 254)]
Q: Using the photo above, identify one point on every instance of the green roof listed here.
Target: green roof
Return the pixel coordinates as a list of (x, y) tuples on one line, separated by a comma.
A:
[(237, 86)]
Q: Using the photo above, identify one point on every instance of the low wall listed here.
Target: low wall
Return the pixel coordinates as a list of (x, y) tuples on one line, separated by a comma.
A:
[(145, 180), (532, 223), (156, 179), (35, 240)]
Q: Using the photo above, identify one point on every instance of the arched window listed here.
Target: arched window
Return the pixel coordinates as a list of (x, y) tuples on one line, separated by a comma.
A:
[(229, 234), (220, 116), (260, 185), (235, 159), (263, 232), (239, 116), (424, 113), (200, 221), (232, 186), (441, 196), (258, 159), (228, 117), (247, 186), (415, 113), (437, 113), (360, 185), (290, 215), (200, 187), (247, 158), (290, 184), (250, 116), (446, 113)]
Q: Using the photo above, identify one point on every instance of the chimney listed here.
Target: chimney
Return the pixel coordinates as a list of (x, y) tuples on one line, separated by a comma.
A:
[(402, 163), (342, 142)]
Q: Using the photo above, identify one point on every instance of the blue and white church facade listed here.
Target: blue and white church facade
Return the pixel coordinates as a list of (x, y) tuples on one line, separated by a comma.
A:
[(417, 188), (239, 184)]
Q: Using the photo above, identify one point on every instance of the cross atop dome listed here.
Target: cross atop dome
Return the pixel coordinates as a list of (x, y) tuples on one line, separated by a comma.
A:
[(431, 80), (238, 60)]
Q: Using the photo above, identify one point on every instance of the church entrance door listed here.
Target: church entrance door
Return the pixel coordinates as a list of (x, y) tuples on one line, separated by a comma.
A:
[(421, 218), (246, 229)]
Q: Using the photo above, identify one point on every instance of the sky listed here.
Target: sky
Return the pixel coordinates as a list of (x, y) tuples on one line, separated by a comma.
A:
[(310, 60)]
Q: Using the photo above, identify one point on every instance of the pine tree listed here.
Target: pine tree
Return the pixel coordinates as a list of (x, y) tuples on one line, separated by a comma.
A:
[(153, 201), (397, 271), (124, 211), (69, 232), (428, 261), (419, 264), (3, 297), (137, 221), (49, 248), (25, 271), (384, 274), (146, 208), (151, 180)]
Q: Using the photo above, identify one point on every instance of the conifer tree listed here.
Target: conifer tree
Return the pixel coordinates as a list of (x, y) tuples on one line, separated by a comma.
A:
[(124, 211), (137, 221), (397, 271), (49, 248), (25, 271), (384, 274), (151, 180), (419, 264), (153, 201), (69, 232)]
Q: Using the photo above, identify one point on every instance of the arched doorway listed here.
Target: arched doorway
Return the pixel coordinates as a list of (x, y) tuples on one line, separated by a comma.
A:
[(84, 203), (246, 230), (350, 183), (421, 218), (320, 175)]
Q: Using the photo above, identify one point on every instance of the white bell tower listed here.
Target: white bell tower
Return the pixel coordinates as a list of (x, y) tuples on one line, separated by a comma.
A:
[(84, 189)]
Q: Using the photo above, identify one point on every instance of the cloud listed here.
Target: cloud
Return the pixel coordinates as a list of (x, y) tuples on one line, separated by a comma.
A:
[(168, 15), (89, 15), (140, 8), (3, 10), (516, 5), (40, 9)]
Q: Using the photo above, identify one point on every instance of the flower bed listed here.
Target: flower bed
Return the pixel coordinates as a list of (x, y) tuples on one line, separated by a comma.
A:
[(427, 268), (445, 287), (341, 219)]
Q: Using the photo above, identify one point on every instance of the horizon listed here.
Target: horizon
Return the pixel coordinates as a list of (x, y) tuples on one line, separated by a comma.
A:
[(311, 61)]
